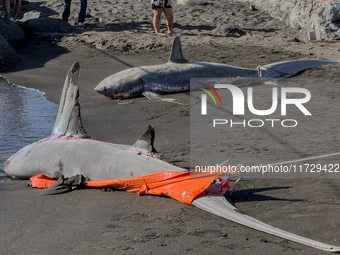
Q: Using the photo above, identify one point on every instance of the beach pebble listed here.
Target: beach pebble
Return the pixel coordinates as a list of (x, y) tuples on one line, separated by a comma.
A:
[(101, 23)]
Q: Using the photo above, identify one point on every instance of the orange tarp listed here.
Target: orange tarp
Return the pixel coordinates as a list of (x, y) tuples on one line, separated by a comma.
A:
[(41, 181), (182, 186)]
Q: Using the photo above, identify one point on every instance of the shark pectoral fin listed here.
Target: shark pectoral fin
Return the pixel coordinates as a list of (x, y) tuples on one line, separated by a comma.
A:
[(176, 55), (156, 96), (63, 185), (152, 95), (68, 121), (219, 206), (146, 139)]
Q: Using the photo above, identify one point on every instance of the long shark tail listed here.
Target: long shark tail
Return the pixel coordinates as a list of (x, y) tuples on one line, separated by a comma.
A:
[(219, 206), (68, 121), (285, 68)]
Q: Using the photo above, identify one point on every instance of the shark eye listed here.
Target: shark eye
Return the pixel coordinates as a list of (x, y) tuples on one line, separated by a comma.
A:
[(104, 88)]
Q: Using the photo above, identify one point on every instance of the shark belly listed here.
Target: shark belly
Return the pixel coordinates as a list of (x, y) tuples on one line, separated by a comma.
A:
[(93, 159)]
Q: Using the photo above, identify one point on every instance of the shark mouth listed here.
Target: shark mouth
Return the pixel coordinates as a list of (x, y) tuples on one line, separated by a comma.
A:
[(116, 94), (123, 95)]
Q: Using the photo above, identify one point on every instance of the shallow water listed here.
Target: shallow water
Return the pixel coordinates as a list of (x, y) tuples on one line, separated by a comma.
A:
[(25, 117)]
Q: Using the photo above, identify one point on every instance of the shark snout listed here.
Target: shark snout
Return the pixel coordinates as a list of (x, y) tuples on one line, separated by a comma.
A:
[(101, 90), (111, 93), (98, 89)]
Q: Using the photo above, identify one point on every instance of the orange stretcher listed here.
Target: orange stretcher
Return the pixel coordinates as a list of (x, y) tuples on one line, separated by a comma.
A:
[(182, 186)]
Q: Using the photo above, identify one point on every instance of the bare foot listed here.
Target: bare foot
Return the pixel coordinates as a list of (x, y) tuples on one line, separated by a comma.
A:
[(159, 33), (171, 33)]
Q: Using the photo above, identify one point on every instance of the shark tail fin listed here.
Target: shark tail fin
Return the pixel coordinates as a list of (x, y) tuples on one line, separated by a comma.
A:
[(176, 55), (285, 68), (146, 139), (68, 121), (219, 206)]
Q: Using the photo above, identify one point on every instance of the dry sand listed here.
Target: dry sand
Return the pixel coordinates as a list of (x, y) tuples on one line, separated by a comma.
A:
[(95, 222)]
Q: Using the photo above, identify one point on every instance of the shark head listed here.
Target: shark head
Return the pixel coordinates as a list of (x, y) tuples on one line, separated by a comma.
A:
[(124, 84)]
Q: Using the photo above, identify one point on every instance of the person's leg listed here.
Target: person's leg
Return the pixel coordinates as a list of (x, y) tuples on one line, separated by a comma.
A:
[(66, 10), (157, 13), (82, 12), (17, 5), (7, 5), (169, 20)]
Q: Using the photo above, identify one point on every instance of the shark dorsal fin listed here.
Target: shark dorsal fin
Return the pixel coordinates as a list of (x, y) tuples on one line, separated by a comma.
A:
[(176, 55), (68, 121), (146, 139)]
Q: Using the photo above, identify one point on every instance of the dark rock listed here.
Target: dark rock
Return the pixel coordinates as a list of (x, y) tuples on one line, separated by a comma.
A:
[(47, 25), (8, 56), (11, 31)]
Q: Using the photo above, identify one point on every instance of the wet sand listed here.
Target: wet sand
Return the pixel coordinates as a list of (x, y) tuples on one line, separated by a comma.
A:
[(90, 221)]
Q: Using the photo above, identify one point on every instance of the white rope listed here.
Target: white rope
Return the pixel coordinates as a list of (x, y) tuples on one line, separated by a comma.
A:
[(305, 159)]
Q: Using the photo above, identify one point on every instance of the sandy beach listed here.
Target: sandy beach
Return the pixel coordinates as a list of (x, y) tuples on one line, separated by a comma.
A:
[(90, 221)]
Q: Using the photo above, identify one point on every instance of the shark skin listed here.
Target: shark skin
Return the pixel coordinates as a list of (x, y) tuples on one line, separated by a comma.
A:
[(69, 151), (175, 75), (68, 156)]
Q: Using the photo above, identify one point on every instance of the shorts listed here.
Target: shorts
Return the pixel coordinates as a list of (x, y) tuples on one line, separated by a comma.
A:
[(160, 4)]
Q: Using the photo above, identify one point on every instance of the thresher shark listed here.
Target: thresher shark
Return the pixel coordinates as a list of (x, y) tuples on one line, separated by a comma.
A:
[(175, 75), (69, 152)]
